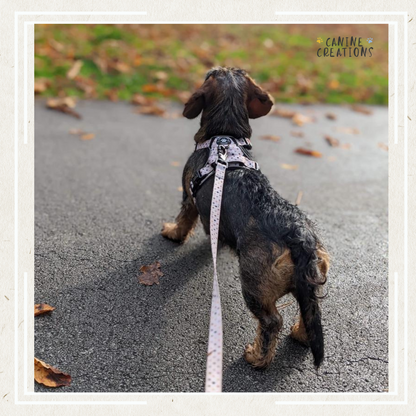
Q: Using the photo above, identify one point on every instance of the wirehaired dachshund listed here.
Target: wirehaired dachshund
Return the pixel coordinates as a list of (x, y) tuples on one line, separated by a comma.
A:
[(277, 245)]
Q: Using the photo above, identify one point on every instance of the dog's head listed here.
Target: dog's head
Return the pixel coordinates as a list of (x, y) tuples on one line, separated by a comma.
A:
[(229, 87)]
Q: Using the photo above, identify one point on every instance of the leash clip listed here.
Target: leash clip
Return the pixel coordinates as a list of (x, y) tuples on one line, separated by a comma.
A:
[(223, 144)]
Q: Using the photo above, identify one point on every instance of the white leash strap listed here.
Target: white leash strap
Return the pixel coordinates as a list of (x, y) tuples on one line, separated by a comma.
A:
[(213, 380)]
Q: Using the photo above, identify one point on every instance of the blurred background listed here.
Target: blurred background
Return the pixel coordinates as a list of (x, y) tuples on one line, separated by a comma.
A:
[(115, 62)]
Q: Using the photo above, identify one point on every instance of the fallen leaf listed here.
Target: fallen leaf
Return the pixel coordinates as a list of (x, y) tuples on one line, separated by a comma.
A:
[(281, 112), (153, 110), (50, 376), (112, 95), (345, 146), (289, 167), (151, 274), (383, 146), (74, 70), (270, 137), (139, 99), (64, 105), (41, 308), (362, 110), (180, 189), (161, 75), (300, 119), (41, 84), (348, 130), (183, 96), (331, 116), (149, 88), (299, 198), (174, 163), (308, 152), (88, 136), (296, 133), (76, 132), (333, 84), (332, 142)]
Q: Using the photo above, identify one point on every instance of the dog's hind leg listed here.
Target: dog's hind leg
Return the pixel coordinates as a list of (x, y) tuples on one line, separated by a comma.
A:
[(184, 224), (261, 353)]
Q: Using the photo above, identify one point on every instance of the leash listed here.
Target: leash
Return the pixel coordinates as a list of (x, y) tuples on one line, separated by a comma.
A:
[(223, 150)]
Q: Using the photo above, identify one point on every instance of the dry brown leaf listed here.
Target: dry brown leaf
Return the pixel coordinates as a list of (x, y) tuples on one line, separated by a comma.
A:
[(289, 167), (299, 198), (383, 146), (300, 119), (333, 84), (175, 163), (41, 308), (348, 130), (41, 84), (345, 146), (331, 116), (180, 189), (76, 132), (150, 88), (64, 105), (362, 110), (332, 142), (308, 152), (88, 136), (281, 112), (74, 70), (151, 274), (153, 110), (296, 133), (183, 96), (270, 137), (50, 376), (139, 99), (112, 95)]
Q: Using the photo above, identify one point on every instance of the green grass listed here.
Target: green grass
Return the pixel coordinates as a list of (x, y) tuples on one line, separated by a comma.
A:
[(174, 58)]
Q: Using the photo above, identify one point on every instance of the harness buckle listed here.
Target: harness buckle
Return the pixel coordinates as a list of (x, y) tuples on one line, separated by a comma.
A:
[(223, 144)]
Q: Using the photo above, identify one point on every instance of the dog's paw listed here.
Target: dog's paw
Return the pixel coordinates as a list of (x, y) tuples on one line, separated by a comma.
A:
[(298, 333), (170, 231), (252, 356)]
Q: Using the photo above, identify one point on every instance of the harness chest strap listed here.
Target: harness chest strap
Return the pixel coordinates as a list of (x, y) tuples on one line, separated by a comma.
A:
[(222, 152)]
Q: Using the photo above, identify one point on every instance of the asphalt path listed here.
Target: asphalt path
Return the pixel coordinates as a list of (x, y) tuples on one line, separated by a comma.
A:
[(99, 209)]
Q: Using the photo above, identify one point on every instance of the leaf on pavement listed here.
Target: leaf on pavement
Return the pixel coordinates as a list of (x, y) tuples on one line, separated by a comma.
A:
[(300, 119), (270, 137), (139, 99), (153, 110), (331, 116), (281, 112), (88, 136), (299, 198), (50, 376), (175, 163), (362, 110), (288, 167), (332, 141), (64, 105), (308, 152), (76, 132), (151, 274), (383, 146), (41, 308), (348, 130)]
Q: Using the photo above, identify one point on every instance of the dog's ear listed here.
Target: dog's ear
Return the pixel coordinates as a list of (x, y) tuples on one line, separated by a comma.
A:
[(259, 102), (198, 100), (195, 104)]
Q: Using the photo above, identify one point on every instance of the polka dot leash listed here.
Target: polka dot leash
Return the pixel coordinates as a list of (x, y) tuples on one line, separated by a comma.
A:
[(213, 380)]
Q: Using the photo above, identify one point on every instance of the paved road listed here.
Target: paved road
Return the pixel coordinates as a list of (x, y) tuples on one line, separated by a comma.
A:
[(99, 209)]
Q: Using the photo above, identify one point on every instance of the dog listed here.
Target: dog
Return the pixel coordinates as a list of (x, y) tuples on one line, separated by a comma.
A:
[(277, 245)]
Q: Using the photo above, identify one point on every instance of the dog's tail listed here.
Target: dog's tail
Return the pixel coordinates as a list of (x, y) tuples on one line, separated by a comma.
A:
[(308, 278)]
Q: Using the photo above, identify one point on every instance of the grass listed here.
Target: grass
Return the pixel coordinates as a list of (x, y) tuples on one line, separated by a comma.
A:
[(167, 60)]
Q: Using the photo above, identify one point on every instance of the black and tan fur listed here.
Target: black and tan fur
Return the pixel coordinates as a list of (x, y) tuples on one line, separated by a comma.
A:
[(277, 245)]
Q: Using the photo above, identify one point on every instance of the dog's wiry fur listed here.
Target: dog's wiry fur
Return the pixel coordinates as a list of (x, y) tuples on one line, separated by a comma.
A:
[(278, 248)]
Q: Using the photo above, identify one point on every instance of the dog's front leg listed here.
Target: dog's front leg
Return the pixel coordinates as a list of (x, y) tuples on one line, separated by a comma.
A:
[(184, 224)]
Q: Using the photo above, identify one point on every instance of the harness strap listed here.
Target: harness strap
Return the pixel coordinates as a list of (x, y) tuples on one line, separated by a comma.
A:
[(213, 379)]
